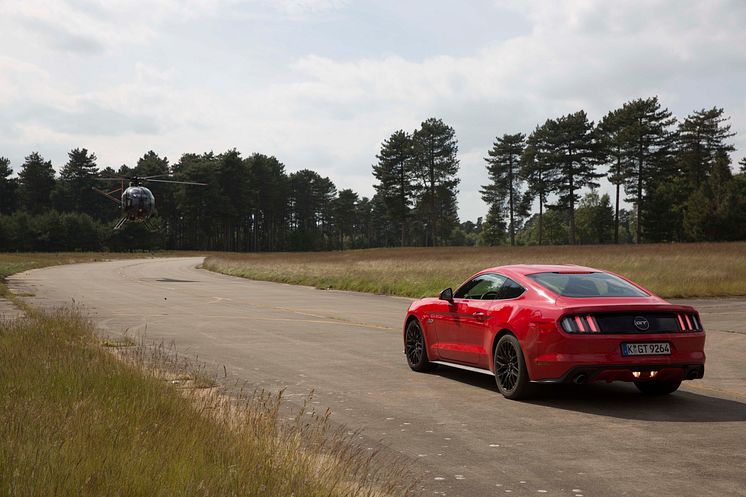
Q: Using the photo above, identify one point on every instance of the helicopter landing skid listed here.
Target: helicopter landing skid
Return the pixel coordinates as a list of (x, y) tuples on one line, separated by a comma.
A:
[(120, 223)]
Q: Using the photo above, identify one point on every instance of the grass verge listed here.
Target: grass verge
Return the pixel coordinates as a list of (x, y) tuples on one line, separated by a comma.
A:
[(80, 421), (670, 270)]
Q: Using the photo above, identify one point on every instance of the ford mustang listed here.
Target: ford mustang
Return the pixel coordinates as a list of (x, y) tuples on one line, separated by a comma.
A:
[(531, 324)]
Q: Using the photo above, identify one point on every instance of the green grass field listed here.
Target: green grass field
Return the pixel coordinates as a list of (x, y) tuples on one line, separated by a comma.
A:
[(80, 421), (670, 270)]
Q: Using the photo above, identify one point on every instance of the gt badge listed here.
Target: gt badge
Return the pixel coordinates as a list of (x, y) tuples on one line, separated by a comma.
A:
[(641, 323)]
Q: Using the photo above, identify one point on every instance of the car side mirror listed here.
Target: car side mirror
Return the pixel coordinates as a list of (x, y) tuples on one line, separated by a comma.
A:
[(447, 294)]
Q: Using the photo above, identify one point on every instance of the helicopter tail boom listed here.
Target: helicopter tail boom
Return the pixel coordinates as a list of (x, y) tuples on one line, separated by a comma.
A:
[(109, 195)]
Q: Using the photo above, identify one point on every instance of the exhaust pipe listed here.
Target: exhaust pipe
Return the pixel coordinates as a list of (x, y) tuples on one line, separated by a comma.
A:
[(695, 372), (580, 378)]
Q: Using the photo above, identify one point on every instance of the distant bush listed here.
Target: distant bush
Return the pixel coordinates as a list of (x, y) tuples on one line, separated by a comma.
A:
[(52, 231)]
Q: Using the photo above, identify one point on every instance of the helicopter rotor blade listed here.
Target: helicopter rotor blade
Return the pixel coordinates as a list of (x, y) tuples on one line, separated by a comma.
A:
[(177, 182), (111, 179), (155, 176)]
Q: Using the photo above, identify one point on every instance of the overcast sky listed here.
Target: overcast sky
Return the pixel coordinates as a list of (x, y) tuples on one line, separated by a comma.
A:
[(320, 83)]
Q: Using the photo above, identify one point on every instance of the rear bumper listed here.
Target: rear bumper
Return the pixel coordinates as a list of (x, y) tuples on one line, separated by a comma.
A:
[(642, 372), (562, 358)]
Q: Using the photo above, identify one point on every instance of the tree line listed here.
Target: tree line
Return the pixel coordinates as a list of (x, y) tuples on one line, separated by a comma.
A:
[(249, 204), (676, 174), (542, 189)]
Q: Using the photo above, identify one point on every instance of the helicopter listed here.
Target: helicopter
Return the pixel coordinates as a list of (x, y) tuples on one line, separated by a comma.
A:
[(137, 202)]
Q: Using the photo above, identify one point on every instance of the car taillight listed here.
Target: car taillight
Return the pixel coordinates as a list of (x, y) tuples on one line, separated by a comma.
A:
[(610, 323), (580, 323), (688, 322)]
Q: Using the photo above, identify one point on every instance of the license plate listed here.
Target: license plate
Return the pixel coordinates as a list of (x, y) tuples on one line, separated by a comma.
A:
[(648, 348)]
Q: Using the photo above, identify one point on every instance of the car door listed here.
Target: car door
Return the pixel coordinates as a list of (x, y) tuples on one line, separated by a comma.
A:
[(461, 334)]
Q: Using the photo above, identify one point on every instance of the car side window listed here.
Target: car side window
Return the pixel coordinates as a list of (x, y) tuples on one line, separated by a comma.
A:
[(483, 287), (511, 290)]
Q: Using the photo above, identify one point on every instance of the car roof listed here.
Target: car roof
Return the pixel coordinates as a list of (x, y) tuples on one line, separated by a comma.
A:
[(524, 269)]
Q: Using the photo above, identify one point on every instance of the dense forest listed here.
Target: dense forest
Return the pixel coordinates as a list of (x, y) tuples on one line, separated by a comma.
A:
[(677, 175)]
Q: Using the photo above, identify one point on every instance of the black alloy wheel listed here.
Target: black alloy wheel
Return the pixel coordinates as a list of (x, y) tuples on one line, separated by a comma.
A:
[(511, 374), (414, 348)]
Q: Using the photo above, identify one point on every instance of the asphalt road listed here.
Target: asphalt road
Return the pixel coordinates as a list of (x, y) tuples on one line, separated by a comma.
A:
[(461, 436)]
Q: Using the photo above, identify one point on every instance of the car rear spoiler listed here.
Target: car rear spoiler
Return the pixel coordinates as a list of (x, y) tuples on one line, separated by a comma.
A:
[(625, 307)]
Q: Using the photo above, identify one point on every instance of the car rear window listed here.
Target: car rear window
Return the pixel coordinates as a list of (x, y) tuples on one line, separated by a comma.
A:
[(587, 285)]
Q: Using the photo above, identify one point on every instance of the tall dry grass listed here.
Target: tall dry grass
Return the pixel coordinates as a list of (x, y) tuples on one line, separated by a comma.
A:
[(79, 421), (670, 270)]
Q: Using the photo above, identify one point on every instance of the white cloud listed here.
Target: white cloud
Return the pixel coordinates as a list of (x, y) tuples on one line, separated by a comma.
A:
[(300, 7)]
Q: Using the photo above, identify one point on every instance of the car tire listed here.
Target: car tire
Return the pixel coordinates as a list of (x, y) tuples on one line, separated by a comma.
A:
[(415, 349), (655, 387), (511, 374)]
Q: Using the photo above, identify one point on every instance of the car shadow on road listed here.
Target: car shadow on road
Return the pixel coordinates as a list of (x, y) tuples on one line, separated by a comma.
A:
[(619, 400)]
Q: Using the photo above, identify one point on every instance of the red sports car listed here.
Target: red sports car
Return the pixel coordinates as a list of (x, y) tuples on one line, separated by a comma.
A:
[(528, 324)]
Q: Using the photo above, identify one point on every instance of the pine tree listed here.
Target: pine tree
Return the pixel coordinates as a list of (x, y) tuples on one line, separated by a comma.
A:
[(648, 144), (493, 229), (311, 210), (35, 184), (574, 151), (701, 137), (8, 187), (74, 192), (503, 168), (363, 236), (394, 179), (539, 173), (199, 209), (704, 161), (435, 165), (343, 208), (611, 136), (712, 207), (151, 164), (272, 190), (325, 192), (447, 208), (742, 163)]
